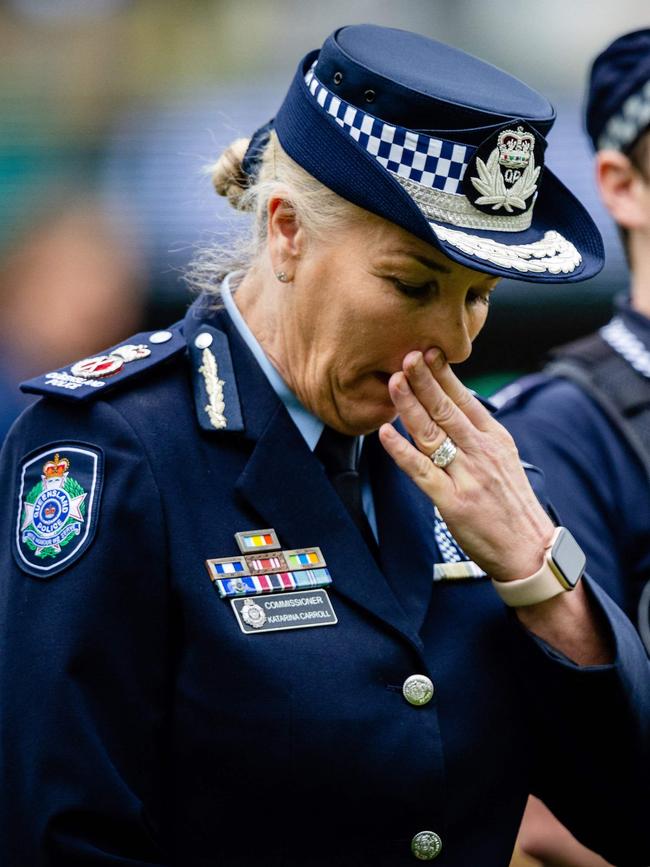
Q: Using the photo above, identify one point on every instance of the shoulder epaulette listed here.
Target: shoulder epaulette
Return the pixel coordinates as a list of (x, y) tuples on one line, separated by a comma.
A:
[(216, 397), (511, 394), (92, 377)]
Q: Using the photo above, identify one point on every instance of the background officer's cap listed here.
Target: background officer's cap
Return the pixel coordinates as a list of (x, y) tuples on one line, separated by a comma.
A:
[(440, 143), (618, 98)]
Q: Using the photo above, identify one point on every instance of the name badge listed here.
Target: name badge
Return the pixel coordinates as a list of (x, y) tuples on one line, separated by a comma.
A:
[(298, 610)]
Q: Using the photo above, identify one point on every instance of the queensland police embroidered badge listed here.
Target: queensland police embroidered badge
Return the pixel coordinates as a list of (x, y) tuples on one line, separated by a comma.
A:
[(58, 499)]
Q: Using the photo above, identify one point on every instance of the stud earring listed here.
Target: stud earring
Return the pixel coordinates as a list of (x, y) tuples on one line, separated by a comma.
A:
[(282, 276)]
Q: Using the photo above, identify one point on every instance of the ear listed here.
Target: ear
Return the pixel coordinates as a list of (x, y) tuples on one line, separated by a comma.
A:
[(623, 189), (286, 237)]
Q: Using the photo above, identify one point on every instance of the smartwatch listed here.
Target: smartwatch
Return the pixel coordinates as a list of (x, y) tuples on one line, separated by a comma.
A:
[(564, 564)]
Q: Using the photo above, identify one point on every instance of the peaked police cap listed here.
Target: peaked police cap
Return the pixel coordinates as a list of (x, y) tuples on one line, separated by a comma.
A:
[(444, 145), (618, 97)]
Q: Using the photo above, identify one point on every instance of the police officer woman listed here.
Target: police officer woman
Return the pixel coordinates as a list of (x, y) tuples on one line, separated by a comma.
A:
[(251, 617)]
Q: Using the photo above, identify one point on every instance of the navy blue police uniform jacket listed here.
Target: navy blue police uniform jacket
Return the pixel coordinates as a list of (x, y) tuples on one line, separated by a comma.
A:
[(593, 477), (139, 725)]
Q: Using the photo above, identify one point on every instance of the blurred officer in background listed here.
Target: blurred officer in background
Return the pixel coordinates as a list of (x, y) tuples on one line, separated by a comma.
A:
[(585, 420), (71, 282), (245, 619)]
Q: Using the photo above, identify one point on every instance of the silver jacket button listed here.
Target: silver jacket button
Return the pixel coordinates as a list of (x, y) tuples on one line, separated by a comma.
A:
[(160, 337), (203, 340), (417, 689), (426, 845)]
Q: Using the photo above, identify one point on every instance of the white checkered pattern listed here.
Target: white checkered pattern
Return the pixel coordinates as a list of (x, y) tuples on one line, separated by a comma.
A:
[(628, 345), (450, 550), (432, 162), (632, 118), (455, 565)]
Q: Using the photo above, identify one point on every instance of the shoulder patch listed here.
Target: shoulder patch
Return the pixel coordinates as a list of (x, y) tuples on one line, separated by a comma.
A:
[(93, 376), (59, 489)]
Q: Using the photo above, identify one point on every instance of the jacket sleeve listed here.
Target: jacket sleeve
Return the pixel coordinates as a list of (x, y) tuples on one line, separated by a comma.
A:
[(591, 730), (83, 673), (590, 727)]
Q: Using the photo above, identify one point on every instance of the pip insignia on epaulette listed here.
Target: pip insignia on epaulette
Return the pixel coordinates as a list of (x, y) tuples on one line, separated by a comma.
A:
[(94, 376)]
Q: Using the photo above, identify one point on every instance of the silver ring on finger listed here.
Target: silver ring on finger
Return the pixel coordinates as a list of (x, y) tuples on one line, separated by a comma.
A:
[(445, 453)]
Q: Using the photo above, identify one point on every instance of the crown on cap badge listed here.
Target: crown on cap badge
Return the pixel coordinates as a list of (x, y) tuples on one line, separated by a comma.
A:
[(503, 174), (515, 147)]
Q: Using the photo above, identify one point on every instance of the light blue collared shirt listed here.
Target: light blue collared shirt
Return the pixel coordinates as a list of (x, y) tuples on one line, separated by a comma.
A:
[(307, 423), (309, 426)]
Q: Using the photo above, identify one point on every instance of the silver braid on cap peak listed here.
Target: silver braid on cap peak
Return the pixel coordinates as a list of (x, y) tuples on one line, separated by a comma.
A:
[(456, 209), (552, 254)]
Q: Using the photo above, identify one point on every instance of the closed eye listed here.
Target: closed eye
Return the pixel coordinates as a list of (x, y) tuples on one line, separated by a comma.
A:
[(417, 291), (474, 298)]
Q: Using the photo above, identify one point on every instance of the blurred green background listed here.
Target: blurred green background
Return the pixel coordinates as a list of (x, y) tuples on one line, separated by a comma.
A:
[(110, 110)]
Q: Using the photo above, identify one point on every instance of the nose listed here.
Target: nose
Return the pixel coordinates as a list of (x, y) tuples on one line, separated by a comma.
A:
[(451, 331), (460, 348)]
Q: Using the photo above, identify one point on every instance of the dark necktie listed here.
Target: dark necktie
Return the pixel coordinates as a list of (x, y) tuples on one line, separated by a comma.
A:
[(337, 453)]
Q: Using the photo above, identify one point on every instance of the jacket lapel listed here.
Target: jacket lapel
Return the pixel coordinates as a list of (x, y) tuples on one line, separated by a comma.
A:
[(285, 484), (405, 521), (287, 487)]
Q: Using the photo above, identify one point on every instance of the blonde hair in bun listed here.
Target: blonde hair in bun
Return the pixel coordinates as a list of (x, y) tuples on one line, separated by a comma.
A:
[(321, 212), (228, 177)]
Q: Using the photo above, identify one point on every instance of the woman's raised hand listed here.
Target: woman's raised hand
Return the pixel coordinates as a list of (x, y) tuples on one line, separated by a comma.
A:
[(483, 494)]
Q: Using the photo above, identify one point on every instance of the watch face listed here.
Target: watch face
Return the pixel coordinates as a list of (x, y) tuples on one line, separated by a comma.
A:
[(568, 558)]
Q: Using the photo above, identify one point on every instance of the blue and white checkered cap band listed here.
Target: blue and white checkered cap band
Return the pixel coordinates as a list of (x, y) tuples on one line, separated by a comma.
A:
[(432, 162), (630, 120), (431, 170)]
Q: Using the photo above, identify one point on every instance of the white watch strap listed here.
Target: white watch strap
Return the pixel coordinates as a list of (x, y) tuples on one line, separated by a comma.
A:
[(539, 587)]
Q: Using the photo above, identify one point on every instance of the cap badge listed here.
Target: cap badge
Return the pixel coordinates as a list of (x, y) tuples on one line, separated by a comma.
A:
[(504, 172)]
